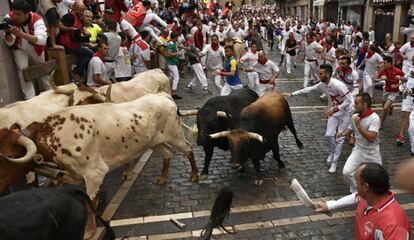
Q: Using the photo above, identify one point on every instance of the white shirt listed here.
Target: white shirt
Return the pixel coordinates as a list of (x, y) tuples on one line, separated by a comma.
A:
[(96, 66), (267, 70), (340, 95), (348, 29), (372, 64), (331, 54), (249, 59), (123, 63), (214, 58), (351, 80), (371, 123), (371, 36), (310, 50), (141, 55), (408, 51), (299, 33)]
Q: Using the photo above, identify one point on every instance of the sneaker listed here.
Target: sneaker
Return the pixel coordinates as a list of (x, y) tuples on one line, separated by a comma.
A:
[(400, 139), (329, 159), (332, 169), (206, 91), (188, 88), (176, 96)]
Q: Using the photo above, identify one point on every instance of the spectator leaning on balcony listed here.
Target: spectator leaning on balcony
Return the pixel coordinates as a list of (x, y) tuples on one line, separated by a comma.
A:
[(27, 37), (70, 37)]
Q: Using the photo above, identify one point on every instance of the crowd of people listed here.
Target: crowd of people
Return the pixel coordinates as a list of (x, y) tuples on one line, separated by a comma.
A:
[(116, 39)]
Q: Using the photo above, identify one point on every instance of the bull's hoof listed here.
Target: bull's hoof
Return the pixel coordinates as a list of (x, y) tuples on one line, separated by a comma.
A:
[(161, 181), (203, 176), (236, 166), (258, 182), (193, 178), (127, 176), (89, 233)]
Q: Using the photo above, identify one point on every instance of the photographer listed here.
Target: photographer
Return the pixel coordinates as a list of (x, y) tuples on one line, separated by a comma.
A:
[(71, 38), (26, 34)]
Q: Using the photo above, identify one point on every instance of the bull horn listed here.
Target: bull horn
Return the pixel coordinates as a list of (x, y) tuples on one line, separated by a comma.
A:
[(108, 94), (256, 136), (61, 89), (223, 114), (31, 150), (220, 134), (188, 113)]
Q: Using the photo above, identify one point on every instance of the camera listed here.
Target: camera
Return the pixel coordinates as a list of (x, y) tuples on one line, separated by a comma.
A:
[(6, 23)]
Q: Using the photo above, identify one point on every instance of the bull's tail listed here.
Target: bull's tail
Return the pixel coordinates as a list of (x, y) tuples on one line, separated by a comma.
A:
[(291, 125), (77, 191)]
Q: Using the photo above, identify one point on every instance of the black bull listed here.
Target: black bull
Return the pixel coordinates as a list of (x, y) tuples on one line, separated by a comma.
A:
[(257, 131), (47, 214), (209, 121)]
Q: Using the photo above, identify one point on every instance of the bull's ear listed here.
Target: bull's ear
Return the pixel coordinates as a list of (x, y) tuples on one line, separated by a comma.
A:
[(15, 127)]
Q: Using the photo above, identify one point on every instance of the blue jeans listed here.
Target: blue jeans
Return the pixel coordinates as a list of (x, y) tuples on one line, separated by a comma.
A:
[(83, 55)]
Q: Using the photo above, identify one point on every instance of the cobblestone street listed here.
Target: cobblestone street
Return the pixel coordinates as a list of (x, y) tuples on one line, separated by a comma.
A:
[(269, 211)]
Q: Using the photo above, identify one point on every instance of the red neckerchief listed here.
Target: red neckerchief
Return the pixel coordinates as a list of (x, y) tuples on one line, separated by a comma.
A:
[(412, 45), (367, 113), (253, 52), (99, 55), (370, 54), (215, 46), (327, 49)]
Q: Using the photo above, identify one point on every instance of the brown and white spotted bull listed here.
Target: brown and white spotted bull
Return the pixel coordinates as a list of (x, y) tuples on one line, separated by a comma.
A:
[(89, 141), (257, 132), (38, 108)]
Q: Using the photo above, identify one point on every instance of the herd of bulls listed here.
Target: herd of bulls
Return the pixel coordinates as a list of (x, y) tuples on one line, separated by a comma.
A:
[(89, 132)]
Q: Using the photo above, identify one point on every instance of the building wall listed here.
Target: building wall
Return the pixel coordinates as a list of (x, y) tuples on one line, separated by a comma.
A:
[(9, 86), (293, 7)]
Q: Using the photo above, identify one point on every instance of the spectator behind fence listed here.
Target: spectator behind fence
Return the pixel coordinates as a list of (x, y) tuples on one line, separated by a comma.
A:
[(114, 42), (90, 28), (123, 62), (97, 75), (48, 8), (71, 37), (140, 53), (27, 37)]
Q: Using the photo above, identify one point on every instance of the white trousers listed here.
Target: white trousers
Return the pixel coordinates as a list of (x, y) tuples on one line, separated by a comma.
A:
[(358, 156), (261, 89), (174, 75), (140, 69), (289, 60), (218, 80), (311, 71), (338, 122), (21, 58), (199, 74), (406, 68), (348, 41), (253, 78), (227, 89), (128, 28), (411, 130), (368, 84), (149, 17)]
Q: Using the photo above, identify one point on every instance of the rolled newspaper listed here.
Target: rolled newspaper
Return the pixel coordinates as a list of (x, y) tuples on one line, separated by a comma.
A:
[(303, 196)]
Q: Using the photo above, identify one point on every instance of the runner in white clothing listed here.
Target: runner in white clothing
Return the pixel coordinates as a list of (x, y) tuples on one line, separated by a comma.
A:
[(267, 72), (372, 64), (215, 56), (248, 60), (365, 125), (339, 113), (407, 51), (312, 51)]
